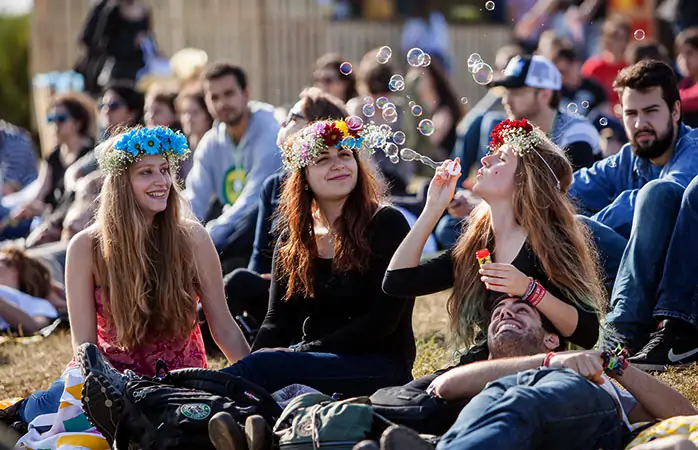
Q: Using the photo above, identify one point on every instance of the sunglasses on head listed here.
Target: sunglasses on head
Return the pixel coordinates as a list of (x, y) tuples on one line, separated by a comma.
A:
[(111, 106), (57, 118)]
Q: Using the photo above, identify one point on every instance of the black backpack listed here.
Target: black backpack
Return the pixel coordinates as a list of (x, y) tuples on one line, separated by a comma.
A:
[(416, 409), (172, 412)]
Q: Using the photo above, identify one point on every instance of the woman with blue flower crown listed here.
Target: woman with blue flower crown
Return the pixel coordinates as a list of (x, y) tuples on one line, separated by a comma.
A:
[(134, 278)]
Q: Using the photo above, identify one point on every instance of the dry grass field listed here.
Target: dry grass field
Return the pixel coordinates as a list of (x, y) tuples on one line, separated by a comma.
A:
[(25, 368)]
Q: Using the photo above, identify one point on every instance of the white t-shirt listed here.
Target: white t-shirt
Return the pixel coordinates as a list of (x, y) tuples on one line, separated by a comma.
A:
[(35, 307)]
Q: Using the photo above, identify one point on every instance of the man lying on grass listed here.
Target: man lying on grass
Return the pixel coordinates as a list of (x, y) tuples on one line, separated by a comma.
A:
[(526, 396)]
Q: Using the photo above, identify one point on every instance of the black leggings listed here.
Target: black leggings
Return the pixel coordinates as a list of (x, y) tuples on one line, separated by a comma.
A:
[(247, 291)]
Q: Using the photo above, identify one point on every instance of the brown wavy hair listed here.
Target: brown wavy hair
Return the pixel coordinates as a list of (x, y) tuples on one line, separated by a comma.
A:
[(33, 275), (297, 245), (562, 245), (147, 272)]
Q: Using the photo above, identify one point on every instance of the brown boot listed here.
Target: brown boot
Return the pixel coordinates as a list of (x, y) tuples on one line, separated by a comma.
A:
[(225, 433), (259, 435)]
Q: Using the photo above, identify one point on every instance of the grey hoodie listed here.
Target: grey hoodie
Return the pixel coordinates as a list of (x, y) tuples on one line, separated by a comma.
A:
[(232, 173)]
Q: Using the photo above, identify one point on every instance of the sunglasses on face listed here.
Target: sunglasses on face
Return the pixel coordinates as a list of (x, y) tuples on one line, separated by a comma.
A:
[(291, 117), (111, 106), (57, 118)]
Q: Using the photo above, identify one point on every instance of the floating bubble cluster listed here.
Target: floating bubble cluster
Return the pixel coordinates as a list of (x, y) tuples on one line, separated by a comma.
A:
[(384, 54), (381, 102), (389, 115), (483, 74), (414, 56)]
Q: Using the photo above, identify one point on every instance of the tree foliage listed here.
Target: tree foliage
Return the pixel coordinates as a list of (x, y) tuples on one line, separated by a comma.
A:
[(15, 85)]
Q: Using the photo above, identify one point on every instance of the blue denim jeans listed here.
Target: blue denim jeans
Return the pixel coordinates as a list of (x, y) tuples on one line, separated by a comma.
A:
[(447, 231), (350, 375), (677, 296), (641, 267), (42, 402), (547, 408)]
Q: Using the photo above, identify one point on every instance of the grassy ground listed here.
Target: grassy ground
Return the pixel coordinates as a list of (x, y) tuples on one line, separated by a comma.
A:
[(25, 368)]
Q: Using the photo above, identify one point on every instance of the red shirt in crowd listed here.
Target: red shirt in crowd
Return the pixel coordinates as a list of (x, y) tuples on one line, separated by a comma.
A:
[(604, 72), (688, 89)]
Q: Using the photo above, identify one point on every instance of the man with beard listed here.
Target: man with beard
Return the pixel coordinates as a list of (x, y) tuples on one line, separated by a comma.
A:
[(527, 396), (643, 209), (232, 161)]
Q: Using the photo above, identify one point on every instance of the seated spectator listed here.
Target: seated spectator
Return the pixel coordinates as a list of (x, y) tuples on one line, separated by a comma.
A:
[(29, 299), (523, 183), (588, 96), (328, 78), (247, 290), (159, 109), (528, 396), (137, 323), (72, 117), (687, 48), (231, 162), (640, 212), (329, 324), (604, 67), (195, 119), (17, 158)]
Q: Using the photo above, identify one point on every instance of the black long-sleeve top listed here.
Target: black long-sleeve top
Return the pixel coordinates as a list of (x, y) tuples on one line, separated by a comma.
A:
[(436, 275), (349, 313)]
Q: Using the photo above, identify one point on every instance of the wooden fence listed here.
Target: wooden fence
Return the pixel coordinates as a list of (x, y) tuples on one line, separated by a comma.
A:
[(276, 41)]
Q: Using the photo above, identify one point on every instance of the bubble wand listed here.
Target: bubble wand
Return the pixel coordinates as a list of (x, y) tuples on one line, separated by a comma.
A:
[(407, 154)]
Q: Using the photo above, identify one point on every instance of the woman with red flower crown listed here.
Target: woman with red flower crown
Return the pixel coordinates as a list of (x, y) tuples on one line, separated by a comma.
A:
[(539, 252)]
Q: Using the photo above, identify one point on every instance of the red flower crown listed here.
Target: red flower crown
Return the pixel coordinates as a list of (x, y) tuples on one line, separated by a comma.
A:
[(516, 133)]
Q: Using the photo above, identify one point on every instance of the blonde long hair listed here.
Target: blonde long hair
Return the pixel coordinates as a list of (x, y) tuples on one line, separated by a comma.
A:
[(562, 245), (147, 272)]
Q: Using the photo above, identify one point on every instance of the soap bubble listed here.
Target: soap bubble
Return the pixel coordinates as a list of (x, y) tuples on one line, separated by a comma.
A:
[(368, 109), (385, 129), (348, 143), (416, 110), (407, 154), (424, 60), (394, 159), (397, 83), (573, 108), (483, 74), (399, 137), (473, 61), (381, 102), (489, 6), (464, 100), (585, 104), (345, 68), (390, 115), (413, 56), (354, 123), (411, 103), (603, 121), (639, 35), (384, 54), (426, 127), (390, 149), (368, 99)]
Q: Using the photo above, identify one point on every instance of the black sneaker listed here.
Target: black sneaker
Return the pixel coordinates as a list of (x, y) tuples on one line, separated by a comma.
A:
[(225, 433), (366, 445), (398, 437), (672, 345), (102, 392), (10, 415)]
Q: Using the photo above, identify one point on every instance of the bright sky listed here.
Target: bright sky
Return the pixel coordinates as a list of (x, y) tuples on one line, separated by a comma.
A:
[(15, 6)]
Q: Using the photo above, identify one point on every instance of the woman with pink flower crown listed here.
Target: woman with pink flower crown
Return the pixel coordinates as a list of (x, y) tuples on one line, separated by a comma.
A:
[(134, 278)]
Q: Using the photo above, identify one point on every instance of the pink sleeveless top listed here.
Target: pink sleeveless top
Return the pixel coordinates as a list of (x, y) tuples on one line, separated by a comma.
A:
[(176, 354)]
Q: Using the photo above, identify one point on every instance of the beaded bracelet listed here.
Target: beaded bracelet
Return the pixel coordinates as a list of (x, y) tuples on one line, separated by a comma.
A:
[(531, 288), (615, 362)]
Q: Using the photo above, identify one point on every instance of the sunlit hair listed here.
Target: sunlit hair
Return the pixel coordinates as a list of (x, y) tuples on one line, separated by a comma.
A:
[(33, 275), (147, 272), (297, 245), (562, 244)]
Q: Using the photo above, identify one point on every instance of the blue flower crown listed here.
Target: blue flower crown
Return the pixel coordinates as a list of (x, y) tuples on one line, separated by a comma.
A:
[(133, 145)]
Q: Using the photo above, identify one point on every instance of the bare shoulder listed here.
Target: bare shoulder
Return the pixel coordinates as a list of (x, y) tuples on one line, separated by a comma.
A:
[(81, 244), (197, 231)]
